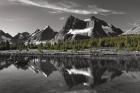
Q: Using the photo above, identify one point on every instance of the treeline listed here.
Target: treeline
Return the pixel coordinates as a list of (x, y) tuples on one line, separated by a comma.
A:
[(130, 42), (8, 46)]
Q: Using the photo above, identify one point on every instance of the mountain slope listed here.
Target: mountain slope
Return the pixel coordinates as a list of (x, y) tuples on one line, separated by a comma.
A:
[(71, 23), (42, 35), (134, 30), (102, 28), (4, 36), (88, 28), (20, 37)]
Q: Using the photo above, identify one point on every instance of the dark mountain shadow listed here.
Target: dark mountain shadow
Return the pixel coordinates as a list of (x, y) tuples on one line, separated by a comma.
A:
[(24, 65), (5, 64), (44, 66)]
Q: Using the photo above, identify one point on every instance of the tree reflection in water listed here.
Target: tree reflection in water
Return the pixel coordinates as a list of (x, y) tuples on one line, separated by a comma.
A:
[(77, 70)]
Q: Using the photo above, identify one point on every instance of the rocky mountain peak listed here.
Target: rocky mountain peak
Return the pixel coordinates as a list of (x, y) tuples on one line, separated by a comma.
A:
[(93, 18), (74, 23), (37, 30), (42, 35), (49, 29), (71, 17), (89, 28)]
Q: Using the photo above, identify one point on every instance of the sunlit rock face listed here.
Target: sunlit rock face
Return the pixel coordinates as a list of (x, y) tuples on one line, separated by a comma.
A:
[(42, 35), (134, 30), (93, 27)]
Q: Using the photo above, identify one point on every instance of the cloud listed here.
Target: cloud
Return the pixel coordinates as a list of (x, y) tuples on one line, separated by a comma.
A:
[(55, 12), (68, 7), (62, 18)]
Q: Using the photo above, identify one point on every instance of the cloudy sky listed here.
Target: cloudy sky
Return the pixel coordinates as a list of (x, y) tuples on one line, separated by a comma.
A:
[(28, 15)]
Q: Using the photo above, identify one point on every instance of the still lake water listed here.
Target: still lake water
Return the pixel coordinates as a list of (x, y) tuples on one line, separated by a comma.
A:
[(63, 74)]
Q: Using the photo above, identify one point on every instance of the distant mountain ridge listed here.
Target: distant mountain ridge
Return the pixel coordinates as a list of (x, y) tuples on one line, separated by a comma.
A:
[(21, 37), (5, 36), (134, 30), (73, 29)]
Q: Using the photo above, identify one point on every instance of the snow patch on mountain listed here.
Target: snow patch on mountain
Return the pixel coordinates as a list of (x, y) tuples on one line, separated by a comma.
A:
[(83, 32), (39, 42), (35, 42), (85, 72), (107, 29), (86, 20)]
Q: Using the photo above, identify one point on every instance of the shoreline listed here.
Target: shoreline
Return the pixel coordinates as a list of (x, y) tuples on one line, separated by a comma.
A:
[(95, 52)]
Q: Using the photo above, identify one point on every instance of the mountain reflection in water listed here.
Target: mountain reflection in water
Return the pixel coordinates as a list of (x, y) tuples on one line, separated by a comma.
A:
[(80, 73)]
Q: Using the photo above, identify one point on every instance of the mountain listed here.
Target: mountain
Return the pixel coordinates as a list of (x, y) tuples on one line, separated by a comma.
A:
[(73, 29), (42, 66), (134, 30), (42, 35), (71, 23), (20, 37), (4, 36), (93, 27)]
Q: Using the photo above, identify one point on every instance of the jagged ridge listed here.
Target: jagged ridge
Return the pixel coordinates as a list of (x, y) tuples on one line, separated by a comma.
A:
[(89, 28)]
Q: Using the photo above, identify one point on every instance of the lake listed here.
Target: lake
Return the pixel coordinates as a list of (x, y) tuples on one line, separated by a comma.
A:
[(69, 74)]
